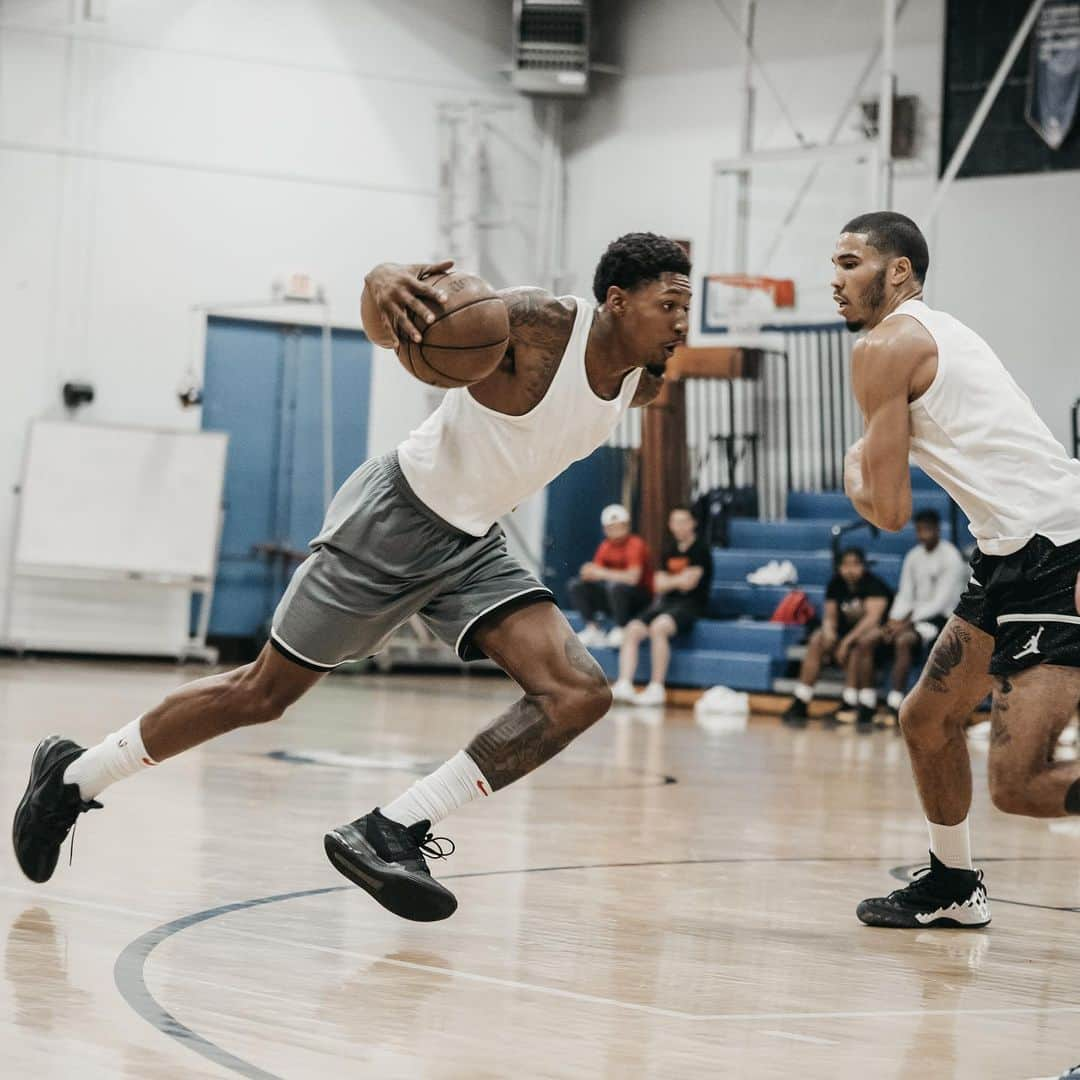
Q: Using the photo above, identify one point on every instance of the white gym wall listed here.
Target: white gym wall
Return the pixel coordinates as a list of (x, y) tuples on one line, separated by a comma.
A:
[(640, 149), (157, 153), (170, 153)]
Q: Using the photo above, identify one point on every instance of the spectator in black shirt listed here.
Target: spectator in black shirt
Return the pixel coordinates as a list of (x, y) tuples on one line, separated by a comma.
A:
[(681, 586), (856, 604)]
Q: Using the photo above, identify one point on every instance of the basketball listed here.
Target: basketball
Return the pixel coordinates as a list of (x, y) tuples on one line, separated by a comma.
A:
[(467, 339)]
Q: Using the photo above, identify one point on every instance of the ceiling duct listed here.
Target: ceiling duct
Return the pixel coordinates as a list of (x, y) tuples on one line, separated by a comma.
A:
[(551, 47)]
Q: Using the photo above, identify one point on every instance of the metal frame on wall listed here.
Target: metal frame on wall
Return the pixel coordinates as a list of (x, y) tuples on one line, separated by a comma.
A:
[(785, 431)]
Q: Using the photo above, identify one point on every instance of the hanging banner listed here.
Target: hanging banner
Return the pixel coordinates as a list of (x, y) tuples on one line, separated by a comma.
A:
[(1054, 84)]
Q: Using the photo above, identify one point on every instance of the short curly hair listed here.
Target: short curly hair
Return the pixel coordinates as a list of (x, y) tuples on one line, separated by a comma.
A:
[(635, 258)]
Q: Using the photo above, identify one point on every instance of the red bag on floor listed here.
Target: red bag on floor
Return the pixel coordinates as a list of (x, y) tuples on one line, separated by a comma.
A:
[(794, 610)]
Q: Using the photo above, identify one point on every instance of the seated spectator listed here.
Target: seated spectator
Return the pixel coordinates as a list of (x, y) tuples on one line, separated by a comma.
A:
[(931, 580), (682, 593), (856, 603), (618, 581)]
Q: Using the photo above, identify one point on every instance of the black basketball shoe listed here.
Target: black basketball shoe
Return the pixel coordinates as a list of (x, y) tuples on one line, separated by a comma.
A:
[(49, 808), (387, 860), (939, 896), (864, 718), (796, 713)]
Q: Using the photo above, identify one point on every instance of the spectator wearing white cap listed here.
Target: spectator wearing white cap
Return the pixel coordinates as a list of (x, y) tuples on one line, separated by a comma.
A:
[(617, 582)]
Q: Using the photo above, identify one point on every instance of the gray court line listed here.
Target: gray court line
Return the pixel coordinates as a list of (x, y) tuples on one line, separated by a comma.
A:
[(130, 975)]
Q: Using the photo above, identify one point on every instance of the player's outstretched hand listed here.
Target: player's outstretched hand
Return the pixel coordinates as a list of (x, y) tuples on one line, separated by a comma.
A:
[(397, 294)]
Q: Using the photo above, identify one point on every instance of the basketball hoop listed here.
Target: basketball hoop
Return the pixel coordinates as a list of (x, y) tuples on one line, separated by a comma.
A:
[(743, 303)]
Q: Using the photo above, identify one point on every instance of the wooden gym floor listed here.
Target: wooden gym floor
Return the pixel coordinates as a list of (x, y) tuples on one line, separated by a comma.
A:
[(658, 902)]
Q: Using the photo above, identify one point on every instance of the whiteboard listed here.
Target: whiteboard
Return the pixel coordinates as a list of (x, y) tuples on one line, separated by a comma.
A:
[(135, 502)]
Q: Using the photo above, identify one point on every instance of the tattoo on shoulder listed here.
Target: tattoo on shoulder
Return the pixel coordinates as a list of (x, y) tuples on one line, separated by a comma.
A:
[(537, 319), (947, 655)]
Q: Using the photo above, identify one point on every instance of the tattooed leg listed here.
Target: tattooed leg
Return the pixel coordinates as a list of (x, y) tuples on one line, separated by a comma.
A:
[(565, 692), (935, 714), (1030, 711)]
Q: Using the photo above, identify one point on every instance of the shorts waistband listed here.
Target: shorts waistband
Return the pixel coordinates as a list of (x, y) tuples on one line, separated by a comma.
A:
[(391, 468)]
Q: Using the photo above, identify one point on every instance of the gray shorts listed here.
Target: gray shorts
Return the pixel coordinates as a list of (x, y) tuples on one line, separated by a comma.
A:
[(383, 556)]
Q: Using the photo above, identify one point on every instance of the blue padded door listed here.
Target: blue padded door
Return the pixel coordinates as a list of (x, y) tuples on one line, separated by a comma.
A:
[(263, 385)]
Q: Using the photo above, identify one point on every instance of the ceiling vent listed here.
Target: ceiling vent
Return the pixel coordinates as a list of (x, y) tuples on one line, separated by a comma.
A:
[(551, 47)]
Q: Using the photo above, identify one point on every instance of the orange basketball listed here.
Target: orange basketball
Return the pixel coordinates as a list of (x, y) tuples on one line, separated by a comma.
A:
[(467, 339)]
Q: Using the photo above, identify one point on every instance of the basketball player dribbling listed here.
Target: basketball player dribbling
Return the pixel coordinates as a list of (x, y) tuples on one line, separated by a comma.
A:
[(415, 532), (932, 389)]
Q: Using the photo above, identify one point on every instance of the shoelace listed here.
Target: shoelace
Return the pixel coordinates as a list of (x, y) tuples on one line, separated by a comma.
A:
[(431, 846), (920, 883), (58, 820)]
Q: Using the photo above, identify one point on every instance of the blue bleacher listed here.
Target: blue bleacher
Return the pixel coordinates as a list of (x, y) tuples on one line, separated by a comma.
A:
[(814, 567), (730, 599), (736, 645), (835, 505), (814, 534), (703, 668)]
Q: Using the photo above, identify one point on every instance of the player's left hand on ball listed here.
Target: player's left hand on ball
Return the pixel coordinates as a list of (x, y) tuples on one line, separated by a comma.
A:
[(399, 293)]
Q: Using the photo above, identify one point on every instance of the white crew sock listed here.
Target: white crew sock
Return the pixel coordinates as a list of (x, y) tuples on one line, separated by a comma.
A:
[(804, 693), (851, 697), (895, 699), (951, 844), (450, 786), (117, 755), (868, 697)]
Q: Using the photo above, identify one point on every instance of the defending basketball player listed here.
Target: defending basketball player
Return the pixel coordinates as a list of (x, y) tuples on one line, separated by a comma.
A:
[(932, 389), (415, 532)]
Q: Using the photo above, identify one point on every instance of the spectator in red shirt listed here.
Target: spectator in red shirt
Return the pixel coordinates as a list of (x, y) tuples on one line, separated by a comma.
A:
[(618, 581)]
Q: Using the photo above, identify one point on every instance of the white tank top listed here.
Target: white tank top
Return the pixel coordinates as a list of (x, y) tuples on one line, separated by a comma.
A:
[(977, 434), (471, 464)]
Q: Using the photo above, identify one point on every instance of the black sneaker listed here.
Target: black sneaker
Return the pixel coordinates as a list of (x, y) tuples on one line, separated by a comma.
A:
[(48, 809), (864, 718), (387, 860), (796, 713), (939, 896)]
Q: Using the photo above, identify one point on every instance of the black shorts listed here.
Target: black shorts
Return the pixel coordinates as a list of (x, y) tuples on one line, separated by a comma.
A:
[(1027, 602), (684, 612)]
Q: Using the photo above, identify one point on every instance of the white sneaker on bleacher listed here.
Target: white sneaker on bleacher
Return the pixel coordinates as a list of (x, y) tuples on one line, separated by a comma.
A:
[(774, 572), (763, 575)]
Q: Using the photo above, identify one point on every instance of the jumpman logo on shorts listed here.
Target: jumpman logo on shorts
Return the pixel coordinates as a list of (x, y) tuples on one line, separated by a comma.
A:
[(1032, 646)]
